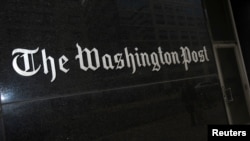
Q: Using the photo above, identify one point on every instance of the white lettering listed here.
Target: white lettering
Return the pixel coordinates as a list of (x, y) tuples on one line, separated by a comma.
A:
[(119, 61), (155, 62), (215, 132), (231, 133), (107, 62), (89, 56), (167, 58), (145, 59), (130, 60), (186, 57), (62, 61), (26, 55), (194, 56), (137, 58), (175, 57), (89, 59), (45, 65), (161, 56)]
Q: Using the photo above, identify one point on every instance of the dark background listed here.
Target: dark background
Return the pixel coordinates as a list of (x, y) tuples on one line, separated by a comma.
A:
[(242, 20), (172, 104)]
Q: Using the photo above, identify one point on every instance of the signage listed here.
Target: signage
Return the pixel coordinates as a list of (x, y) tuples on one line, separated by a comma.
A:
[(67, 48), (90, 60)]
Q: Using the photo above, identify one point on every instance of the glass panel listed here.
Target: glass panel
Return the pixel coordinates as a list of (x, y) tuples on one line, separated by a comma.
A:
[(110, 26), (135, 77), (233, 84), (241, 13), (219, 20), (176, 111)]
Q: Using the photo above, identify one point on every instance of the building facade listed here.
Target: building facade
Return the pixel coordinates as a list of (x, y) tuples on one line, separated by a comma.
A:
[(98, 70)]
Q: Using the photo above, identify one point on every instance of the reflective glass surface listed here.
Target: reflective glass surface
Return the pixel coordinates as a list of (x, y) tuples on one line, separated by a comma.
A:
[(62, 48), (167, 111), (107, 70)]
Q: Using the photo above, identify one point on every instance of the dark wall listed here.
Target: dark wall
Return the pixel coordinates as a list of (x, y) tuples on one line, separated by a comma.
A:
[(219, 20), (148, 102), (241, 15)]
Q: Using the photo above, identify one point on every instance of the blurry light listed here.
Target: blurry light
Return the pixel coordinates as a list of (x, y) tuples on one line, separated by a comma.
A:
[(5, 96), (2, 98)]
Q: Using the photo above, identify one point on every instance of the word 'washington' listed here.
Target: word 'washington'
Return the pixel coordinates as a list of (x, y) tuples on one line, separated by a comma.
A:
[(90, 59)]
